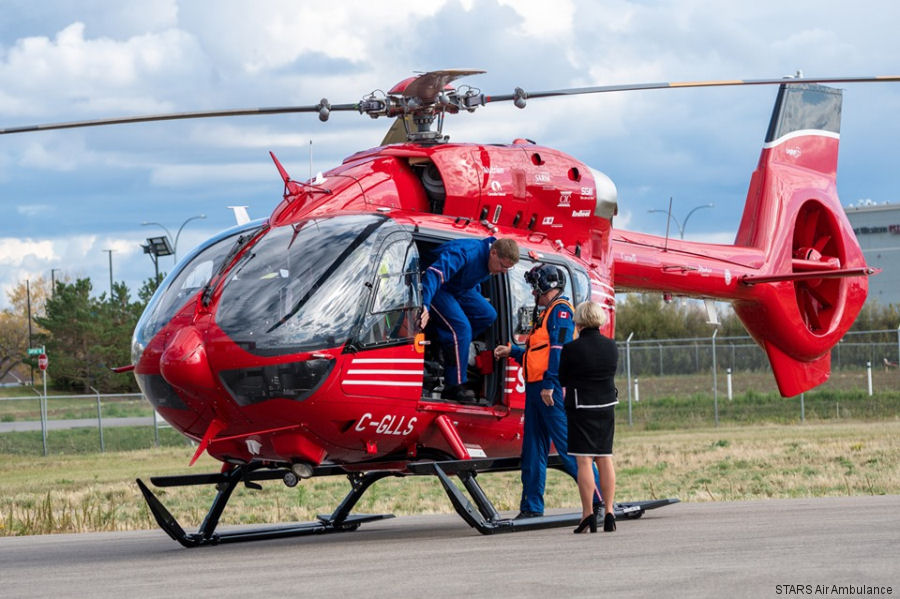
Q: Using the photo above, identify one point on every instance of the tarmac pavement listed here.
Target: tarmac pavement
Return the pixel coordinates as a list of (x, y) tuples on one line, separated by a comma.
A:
[(772, 548)]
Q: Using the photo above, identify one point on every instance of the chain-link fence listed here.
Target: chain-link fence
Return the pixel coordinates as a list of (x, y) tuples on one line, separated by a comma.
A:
[(81, 423), (688, 379), (661, 357)]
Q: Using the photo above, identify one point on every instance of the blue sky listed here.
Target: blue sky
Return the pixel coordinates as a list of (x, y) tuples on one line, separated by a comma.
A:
[(66, 196)]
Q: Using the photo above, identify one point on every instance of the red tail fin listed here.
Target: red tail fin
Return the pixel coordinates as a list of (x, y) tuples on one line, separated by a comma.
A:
[(794, 216), (796, 274)]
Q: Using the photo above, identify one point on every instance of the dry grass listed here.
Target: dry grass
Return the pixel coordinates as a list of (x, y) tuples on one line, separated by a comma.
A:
[(97, 492)]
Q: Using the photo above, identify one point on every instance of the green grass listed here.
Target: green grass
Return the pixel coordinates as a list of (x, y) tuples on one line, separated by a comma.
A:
[(29, 408), (91, 491), (87, 440), (665, 412)]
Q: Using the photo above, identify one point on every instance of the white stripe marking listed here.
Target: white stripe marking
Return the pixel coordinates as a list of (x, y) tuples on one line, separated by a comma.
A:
[(366, 371), (801, 133), (383, 383), (388, 361)]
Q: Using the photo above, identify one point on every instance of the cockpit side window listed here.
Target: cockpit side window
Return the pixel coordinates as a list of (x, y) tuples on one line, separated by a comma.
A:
[(582, 286), (523, 302), (395, 298)]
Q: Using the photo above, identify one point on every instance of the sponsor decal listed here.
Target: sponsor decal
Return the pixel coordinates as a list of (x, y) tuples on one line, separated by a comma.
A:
[(548, 220), (565, 199), (492, 170), (587, 192), (496, 189), (793, 152), (542, 177), (581, 213)]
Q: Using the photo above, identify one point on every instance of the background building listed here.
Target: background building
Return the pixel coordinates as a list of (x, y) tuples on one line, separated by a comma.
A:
[(877, 227)]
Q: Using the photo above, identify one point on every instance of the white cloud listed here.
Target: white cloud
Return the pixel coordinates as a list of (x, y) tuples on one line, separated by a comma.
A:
[(14, 252), (263, 40), (543, 19), (75, 75)]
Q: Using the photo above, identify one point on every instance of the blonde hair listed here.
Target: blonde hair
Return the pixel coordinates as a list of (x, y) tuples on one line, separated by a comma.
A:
[(507, 249), (590, 315)]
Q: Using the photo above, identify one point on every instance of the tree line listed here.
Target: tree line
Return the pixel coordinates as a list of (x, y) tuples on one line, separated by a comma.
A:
[(86, 336)]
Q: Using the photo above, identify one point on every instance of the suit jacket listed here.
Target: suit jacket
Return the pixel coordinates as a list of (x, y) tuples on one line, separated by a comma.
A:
[(458, 266), (587, 370)]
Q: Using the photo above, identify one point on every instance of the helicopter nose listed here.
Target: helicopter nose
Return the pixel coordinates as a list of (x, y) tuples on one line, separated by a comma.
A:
[(184, 363)]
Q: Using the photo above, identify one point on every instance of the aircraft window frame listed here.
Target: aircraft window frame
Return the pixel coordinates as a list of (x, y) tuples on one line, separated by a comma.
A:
[(393, 324), (581, 285), (518, 289)]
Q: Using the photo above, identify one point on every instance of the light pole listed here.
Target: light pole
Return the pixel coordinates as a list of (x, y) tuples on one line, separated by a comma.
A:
[(156, 247), (53, 281), (110, 273), (177, 235), (683, 224)]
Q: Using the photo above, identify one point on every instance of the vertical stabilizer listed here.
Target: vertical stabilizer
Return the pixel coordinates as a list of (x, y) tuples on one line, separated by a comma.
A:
[(794, 216)]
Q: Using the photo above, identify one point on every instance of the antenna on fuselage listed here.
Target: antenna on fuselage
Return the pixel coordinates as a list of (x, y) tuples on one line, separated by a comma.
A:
[(668, 222)]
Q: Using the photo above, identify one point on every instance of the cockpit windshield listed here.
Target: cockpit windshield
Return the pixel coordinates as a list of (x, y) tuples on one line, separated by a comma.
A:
[(184, 283), (301, 286)]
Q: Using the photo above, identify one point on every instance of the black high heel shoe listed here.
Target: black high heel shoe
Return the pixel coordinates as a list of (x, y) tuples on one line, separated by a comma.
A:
[(609, 522), (590, 521)]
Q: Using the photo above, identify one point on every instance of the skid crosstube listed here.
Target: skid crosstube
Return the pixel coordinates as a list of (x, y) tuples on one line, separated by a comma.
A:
[(482, 515)]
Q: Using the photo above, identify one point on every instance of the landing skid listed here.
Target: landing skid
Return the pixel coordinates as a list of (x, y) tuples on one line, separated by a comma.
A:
[(339, 521), (482, 516)]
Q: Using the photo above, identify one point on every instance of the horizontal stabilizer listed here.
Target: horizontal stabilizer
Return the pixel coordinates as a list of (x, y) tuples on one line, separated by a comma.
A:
[(811, 275)]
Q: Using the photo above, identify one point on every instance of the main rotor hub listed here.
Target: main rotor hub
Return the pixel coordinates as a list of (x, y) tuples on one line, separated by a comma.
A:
[(421, 100)]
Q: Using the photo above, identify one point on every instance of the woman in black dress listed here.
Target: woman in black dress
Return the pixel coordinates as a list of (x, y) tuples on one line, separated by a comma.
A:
[(587, 369)]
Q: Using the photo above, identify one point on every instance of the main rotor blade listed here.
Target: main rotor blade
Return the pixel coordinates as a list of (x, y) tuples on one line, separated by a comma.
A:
[(575, 91), (177, 116)]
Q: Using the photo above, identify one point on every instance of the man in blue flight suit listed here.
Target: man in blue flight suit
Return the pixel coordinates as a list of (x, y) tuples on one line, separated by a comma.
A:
[(451, 288), (545, 415)]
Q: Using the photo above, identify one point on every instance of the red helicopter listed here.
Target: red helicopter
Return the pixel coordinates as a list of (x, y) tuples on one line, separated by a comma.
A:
[(288, 347)]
